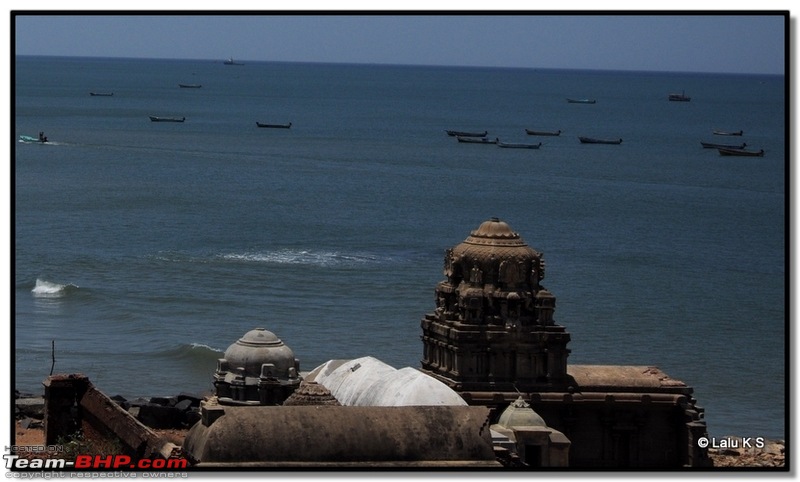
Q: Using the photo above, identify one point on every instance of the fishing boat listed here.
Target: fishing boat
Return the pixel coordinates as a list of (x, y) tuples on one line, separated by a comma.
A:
[(581, 101), (189, 86), (476, 140), (517, 146), (542, 133), (726, 133), (592, 140), (467, 134), (167, 119), (230, 61), (711, 145), (275, 126), (101, 94), (740, 152), (682, 97)]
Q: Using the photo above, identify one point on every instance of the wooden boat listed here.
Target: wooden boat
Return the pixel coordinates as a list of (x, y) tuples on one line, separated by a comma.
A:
[(101, 94), (467, 134), (230, 61), (711, 145), (592, 140), (726, 133), (167, 119), (189, 86), (542, 133), (740, 152), (275, 126), (682, 97), (517, 146), (476, 140), (581, 101)]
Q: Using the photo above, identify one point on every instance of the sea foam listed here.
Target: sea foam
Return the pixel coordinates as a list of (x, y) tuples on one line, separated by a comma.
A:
[(304, 257), (48, 289)]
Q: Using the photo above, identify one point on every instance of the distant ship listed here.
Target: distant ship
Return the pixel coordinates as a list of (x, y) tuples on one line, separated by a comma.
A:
[(230, 61), (682, 97)]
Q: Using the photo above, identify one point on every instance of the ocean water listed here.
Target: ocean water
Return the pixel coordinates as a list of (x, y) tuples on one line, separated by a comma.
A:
[(143, 250)]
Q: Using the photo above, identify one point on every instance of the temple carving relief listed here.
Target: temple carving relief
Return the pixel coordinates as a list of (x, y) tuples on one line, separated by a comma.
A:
[(493, 323)]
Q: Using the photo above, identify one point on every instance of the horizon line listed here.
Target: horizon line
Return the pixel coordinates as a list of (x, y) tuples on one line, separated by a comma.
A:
[(392, 64)]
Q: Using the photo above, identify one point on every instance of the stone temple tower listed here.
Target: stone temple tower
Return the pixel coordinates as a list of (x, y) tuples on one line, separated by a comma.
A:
[(493, 327)]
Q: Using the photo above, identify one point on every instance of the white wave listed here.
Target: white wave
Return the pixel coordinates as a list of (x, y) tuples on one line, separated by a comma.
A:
[(290, 256), (206, 347), (303, 257), (48, 143), (172, 257), (45, 288)]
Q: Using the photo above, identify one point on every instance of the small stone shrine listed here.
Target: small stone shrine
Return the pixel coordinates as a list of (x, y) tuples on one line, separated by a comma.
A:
[(258, 369)]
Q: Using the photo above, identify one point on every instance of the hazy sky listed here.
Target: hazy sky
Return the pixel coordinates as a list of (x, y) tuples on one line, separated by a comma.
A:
[(746, 43)]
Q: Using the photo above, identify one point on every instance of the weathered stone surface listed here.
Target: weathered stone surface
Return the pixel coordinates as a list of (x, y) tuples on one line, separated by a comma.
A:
[(633, 378), (293, 435), (121, 401), (191, 416), (193, 397), (30, 407), (164, 401), (772, 455), (167, 412), (28, 422), (62, 394), (311, 393), (103, 414), (160, 416)]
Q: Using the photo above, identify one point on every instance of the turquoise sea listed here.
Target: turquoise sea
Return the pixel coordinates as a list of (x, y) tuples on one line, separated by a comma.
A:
[(143, 249)]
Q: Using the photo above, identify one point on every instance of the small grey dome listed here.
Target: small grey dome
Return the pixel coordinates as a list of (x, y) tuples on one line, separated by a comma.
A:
[(520, 414), (258, 347)]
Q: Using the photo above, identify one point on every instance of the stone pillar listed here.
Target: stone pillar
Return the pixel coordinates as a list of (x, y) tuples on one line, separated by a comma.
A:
[(697, 456), (62, 396)]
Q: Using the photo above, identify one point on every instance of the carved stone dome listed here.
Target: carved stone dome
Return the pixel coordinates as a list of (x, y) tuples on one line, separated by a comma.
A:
[(495, 253), (258, 347), (494, 232)]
